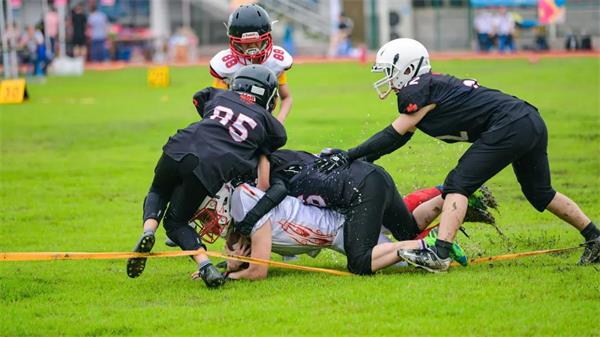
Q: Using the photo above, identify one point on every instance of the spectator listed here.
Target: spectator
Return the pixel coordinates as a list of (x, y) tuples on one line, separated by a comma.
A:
[(27, 47), (340, 44), (51, 28), (504, 26), (288, 38), (79, 22), (40, 60), (541, 41), (98, 24), (484, 28)]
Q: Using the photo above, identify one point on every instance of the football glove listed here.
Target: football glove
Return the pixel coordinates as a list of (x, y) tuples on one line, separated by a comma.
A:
[(329, 163)]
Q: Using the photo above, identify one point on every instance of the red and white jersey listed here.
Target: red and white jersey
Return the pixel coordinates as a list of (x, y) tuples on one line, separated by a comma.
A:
[(224, 64), (297, 228)]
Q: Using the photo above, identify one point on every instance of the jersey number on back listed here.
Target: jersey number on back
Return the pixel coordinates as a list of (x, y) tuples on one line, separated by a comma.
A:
[(237, 129)]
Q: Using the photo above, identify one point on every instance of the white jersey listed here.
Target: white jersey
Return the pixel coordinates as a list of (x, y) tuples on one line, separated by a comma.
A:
[(224, 64), (297, 228)]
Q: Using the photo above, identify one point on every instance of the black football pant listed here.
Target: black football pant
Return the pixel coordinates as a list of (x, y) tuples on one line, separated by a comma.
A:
[(524, 144), (176, 184), (377, 202)]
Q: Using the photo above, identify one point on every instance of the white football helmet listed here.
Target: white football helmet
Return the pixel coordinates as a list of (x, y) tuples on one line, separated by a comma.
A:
[(213, 216), (400, 60)]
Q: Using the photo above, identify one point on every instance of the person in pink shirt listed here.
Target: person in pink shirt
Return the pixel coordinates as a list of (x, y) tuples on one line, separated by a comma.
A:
[(51, 28)]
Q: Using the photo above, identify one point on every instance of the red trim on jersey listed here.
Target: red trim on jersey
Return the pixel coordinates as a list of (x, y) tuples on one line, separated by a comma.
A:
[(214, 73), (250, 191)]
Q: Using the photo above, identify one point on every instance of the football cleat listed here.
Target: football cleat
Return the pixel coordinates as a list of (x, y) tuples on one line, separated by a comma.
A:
[(426, 259), (136, 265), (211, 276), (591, 254), (456, 253), (479, 202)]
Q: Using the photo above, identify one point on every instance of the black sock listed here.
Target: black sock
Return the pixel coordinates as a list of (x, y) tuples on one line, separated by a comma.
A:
[(443, 248), (590, 232)]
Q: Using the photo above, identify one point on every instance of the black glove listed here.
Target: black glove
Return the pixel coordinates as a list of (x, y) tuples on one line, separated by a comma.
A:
[(330, 163)]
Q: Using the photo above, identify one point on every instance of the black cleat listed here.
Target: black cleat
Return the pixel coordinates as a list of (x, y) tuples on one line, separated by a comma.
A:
[(591, 254), (211, 276), (136, 265)]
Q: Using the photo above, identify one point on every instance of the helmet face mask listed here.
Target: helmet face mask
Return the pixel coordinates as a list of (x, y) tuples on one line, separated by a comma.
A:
[(213, 217), (390, 73), (249, 31), (400, 60), (251, 47)]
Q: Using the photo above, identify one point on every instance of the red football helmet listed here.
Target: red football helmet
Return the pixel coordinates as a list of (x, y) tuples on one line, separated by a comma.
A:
[(213, 216)]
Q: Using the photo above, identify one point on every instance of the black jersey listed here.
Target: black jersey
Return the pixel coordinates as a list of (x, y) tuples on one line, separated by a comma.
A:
[(464, 109), (229, 138), (336, 189)]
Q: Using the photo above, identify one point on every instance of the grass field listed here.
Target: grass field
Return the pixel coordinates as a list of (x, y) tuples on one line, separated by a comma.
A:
[(77, 160)]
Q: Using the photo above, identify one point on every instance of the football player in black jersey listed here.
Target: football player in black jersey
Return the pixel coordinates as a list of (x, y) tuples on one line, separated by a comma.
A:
[(236, 127), (503, 129), (365, 193)]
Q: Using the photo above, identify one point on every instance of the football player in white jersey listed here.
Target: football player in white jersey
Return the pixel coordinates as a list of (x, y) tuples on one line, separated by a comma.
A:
[(250, 42), (294, 228)]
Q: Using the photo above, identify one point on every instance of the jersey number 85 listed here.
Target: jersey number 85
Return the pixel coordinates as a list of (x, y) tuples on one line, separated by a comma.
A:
[(237, 129)]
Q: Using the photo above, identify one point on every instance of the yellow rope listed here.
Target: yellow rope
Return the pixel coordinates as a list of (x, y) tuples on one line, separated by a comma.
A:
[(46, 256)]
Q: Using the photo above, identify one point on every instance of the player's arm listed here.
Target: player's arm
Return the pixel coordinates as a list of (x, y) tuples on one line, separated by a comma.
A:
[(264, 173), (273, 196), (201, 97), (391, 138), (385, 141), (219, 84), (260, 249), (286, 100), (276, 136)]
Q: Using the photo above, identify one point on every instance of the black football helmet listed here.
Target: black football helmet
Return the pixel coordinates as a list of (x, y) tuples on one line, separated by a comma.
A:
[(250, 25), (259, 82)]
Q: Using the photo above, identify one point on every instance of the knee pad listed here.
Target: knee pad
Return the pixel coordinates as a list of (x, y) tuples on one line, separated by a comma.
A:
[(154, 206), (539, 198)]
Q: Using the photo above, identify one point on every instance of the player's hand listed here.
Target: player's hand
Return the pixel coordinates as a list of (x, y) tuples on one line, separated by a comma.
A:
[(328, 151), (329, 163), (243, 227)]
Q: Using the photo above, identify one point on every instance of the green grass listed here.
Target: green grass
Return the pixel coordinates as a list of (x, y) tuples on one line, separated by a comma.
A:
[(77, 160)]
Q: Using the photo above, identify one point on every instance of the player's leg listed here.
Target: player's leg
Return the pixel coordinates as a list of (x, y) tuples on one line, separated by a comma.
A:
[(164, 181), (416, 198), (396, 216), (483, 160), (428, 211), (363, 224), (185, 200), (533, 173)]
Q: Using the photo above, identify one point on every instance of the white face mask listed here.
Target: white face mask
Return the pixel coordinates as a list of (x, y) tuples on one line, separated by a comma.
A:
[(390, 72)]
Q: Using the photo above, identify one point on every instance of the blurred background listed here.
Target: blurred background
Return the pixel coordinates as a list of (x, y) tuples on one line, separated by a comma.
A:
[(187, 31)]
